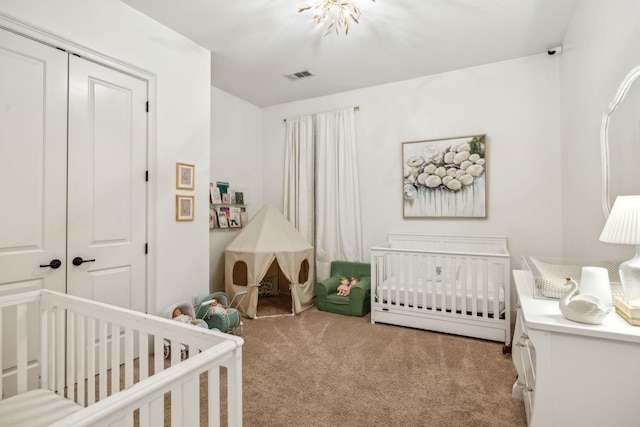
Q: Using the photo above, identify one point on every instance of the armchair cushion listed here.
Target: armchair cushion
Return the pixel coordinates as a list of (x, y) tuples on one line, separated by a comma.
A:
[(358, 302)]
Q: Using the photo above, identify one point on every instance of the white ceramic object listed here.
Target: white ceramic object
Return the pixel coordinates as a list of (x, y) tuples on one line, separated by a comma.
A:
[(582, 308), (595, 281)]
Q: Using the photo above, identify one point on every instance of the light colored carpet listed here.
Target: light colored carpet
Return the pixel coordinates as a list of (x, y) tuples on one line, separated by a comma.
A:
[(325, 369)]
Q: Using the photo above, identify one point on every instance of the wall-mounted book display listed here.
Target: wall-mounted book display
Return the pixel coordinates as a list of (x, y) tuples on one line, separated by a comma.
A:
[(227, 207)]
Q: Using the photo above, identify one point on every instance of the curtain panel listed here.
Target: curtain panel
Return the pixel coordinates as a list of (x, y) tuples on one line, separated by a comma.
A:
[(337, 214), (321, 190), (299, 175)]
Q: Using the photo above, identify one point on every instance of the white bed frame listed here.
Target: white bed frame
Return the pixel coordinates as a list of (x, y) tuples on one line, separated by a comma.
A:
[(475, 266), (56, 368)]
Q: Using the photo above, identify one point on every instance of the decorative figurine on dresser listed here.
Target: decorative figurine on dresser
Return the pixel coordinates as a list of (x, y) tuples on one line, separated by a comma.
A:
[(583, 308)]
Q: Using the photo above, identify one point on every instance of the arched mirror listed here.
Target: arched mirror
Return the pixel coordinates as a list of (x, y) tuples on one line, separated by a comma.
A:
[(620, 143)]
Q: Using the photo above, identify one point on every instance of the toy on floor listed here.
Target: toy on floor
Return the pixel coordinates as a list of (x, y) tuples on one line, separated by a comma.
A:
[(216, 307), (345, 285), (184, 318), (217, 311), (182, 312)]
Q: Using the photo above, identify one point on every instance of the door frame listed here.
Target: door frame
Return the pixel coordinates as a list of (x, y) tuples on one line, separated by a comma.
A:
[(47, 38)]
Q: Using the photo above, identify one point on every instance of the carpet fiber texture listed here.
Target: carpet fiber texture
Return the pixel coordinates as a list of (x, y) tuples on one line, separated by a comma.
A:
[(325, 369)]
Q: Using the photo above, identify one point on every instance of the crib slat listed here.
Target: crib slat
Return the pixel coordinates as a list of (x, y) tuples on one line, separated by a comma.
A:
[(60, 333), (143, 356), (158, 354), (71, 355), (474, 286), (432, 285), (460, 275), (191, 402), (485, 289), (91, 361), (21, 347), (81, 362), (213, 391), (176, 392), (128, 356), (154, 413), (44, 349), (234, 389), (115, 358), (103, 359)]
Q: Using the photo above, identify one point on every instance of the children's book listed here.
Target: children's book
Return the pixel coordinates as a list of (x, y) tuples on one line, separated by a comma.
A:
[(223, 186), (244, 216), (223, 218), (216, 199), (234, 217)]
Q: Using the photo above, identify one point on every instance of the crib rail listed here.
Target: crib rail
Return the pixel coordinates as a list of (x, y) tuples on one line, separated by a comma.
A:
[(443, 285), (99, 355)]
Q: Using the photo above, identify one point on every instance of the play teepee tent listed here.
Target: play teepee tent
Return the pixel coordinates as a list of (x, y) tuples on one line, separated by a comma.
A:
[(267, 240)]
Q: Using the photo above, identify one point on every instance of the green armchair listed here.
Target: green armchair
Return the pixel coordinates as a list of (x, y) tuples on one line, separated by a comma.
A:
[(358, 302)]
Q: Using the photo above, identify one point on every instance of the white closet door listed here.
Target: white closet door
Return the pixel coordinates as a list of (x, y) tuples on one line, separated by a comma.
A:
[(33, 183), (33, 159), (106, 185)]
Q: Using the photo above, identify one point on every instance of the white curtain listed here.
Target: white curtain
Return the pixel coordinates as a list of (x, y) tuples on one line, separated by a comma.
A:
[(298, 177), (337, 213)]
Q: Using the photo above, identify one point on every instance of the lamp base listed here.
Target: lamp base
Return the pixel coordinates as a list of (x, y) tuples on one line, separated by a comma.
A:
[(630, 278)]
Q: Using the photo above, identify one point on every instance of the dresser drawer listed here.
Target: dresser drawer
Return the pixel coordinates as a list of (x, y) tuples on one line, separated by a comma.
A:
[(524, 360)]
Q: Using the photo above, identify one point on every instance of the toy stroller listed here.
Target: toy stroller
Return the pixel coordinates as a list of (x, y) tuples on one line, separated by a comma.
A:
[(185, 313), (218, 312)]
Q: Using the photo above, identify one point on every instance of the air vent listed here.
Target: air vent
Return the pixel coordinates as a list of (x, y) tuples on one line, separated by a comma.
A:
[(299, 75)]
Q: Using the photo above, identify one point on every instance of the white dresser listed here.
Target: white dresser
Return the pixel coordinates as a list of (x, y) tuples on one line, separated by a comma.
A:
[(574, 374)]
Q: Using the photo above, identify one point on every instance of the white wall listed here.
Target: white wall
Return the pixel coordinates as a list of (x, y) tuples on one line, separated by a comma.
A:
[(515, 103), (182, 71), (600, 48), (236, 157)]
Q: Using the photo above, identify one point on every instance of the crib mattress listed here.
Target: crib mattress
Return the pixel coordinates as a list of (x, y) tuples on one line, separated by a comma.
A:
[(390, 292), (35, 408)]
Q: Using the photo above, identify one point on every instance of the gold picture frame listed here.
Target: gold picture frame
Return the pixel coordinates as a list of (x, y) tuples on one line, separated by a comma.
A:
[(184, 207), (185, 176)]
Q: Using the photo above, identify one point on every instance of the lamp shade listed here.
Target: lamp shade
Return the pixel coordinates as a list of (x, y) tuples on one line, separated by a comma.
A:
[(623, 224)]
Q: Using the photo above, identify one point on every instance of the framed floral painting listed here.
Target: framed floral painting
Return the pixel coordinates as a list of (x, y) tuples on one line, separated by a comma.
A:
[(445, 178), (185, 175), (184, 207)]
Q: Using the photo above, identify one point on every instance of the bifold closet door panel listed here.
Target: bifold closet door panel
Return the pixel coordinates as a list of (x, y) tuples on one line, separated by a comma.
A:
[(33, 158), (106, 185), (33, 182)]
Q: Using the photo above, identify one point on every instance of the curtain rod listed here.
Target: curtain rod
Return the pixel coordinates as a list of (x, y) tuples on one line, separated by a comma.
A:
[(356, 108)]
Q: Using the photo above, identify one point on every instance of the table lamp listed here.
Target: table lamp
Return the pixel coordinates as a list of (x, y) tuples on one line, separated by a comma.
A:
[(623, 227)]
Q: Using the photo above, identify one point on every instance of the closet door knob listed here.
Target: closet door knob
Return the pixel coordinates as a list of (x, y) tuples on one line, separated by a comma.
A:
[(55, 263), (78, 261)]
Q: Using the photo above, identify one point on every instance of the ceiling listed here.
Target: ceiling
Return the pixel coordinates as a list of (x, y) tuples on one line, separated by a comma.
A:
[(255, 43)]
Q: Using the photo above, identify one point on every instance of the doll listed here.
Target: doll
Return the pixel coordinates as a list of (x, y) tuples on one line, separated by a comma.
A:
[(344, 287), (184, 318), (217, 307)]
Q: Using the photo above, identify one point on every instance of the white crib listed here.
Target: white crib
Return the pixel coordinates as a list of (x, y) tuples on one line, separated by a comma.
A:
[(74, 362), (446, 283)]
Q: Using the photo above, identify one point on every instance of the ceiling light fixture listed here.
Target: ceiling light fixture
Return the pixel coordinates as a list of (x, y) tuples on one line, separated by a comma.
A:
[(334, 14)]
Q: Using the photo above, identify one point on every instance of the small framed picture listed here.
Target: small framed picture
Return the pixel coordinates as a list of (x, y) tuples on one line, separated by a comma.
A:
[(184, 207), (185, 176)]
